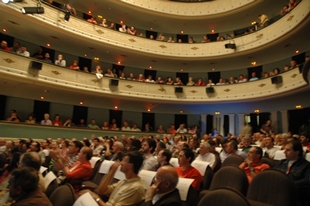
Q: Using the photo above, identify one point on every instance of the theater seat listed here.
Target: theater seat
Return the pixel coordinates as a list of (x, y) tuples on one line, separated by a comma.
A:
[(223, 197), (232, 160), (63, 196), (272, 187), (229, 176), (207, 179)]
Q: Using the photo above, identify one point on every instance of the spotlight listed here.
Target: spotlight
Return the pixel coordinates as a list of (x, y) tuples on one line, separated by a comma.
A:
[(8, 1), (33, 10), (67, 16)]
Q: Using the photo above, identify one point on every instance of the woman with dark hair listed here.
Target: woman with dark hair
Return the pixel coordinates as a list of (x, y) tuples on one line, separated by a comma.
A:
[(13, 159), (86, 142)]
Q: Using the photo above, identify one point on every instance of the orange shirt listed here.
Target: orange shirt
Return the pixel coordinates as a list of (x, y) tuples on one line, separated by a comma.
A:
[(256, 167), (192, 173)]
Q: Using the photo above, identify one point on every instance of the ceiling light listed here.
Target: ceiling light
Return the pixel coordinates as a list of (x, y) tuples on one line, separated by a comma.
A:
[(96, 58), (99, 16), (150, 67), (182, 32), (148, 110), (4, 30), (118, 62), (115, 107), (33, 10), (253, 63), (297, 51), (81, 103), (256, 111), (181, 111), (85, 55), (212, 30), (42, 97), (151, 28), (89, 12), (48, 45), (213, 69), (217, 113), (298, 106), (67, 16), (181, 70)]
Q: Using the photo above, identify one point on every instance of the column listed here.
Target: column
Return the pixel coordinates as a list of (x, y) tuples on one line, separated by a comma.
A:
[(232, 123), (221, 124), (274, 121), (241, 123), (284, 120), (203, 124)]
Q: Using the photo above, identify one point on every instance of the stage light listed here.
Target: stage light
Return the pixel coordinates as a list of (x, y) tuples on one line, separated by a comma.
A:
[(33, 10)]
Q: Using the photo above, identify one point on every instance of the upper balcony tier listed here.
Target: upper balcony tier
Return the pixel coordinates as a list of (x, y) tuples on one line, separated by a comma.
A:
[(78, 37), (32, 81)]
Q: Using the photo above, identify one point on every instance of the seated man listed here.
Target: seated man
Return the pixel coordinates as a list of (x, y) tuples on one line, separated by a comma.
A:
[(80, 170), (267, 145), (164, 192), (148, 148), (232, 148), (186, 157), (163, 159), (205, 154), (253, 164), (129, 191), (297, 168), (97, 147), (23, 188), (117, 154)]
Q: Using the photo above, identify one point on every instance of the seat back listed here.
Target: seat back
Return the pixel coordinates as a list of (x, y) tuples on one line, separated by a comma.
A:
[(224, 197), (192, 197), (51, 187), (265, 183), (269, 162), (232, 160), (207, 179), (230, 176), (95, 170), (63, 196), (218, 163)]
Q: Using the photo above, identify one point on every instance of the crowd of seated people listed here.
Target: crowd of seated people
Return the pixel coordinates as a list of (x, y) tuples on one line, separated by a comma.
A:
[(69, 159), (60, 61), (263, 18)]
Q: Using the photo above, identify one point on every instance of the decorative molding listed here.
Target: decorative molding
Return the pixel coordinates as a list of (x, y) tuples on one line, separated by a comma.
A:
[(294, 75), (194, 48), (262, 85), (95, 80), (290, 18), (100, 31), (56, 72), (163, 46), (193, 91), (132, 40), (129, 86), (161, 89), (227, 90), (259, 36), (8, 60)]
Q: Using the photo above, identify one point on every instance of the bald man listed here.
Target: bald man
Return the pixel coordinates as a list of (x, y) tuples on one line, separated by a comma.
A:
[(164, 192)]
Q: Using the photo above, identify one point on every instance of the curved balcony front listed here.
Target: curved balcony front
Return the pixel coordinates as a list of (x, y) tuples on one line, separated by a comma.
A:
[(18, 68), (53, 19)]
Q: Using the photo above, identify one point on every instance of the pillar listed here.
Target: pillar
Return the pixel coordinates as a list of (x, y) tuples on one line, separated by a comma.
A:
[(232, 123)]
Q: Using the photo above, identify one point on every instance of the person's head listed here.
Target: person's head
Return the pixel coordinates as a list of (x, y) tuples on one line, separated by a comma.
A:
[(75, 147), (293, 63), (246, 141), (148, 146), (117, 147), (255, 154), (30, 159), (96, 141), (45, 143), (85, 154), (269, 142), (204, 148), (47, 56), (293, 150), (60, 57), (35, 147), (232, 147), (16, 45), (164, 156), (186, 157), (23, 181), (132, 162), (160, 146), (166, 179), (303, 139), (253, 74), (46, 116), (4, 44)]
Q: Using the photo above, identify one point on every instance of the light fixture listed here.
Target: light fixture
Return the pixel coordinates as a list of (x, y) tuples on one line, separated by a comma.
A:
[(8, 1), (115, 107), (4, 30), (253, 63), (298, 106), (99, 16), (148, 110), (213, 69), (151, 28), (48, 45), (67, 16), (118, 62), (81, 103), (181, 70), (256, 111), (254, 22), (217, 113), (182, 32), (96, 58), (181, 111), (212, 31), (33, 10), (150, 67), (85, 55), (297, 51), (42, 97)]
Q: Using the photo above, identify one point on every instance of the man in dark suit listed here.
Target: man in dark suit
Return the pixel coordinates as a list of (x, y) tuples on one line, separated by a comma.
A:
[(164, 192)]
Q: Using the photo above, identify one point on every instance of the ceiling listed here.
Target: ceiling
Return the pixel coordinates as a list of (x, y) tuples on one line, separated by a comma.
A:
[(19, 26)]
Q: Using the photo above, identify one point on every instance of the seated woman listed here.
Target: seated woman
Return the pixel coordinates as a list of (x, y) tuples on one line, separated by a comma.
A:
[(160, 129), (190, 82), (14, 117), (104, 23), (132, 30), (170, 40), (210, 83), (31, 119), (160, 80), (57, 121), (114, 127), (150, 79), (178, 81), (98, 72), (276, 71), (122, 76), (123, 29)]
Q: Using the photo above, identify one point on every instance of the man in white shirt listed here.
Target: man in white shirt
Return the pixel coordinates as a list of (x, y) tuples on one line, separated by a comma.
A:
[(23, 51), (60, 61), (205, 154), (182, 129), (148, 147), (2, 145), (267, 145)]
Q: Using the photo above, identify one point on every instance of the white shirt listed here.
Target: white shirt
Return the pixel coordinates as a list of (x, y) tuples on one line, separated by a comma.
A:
[(25, 53), (271, 152), (208, 157), (149, 162), (182, 131), (61, 63), (126, 129), (2, 149)]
